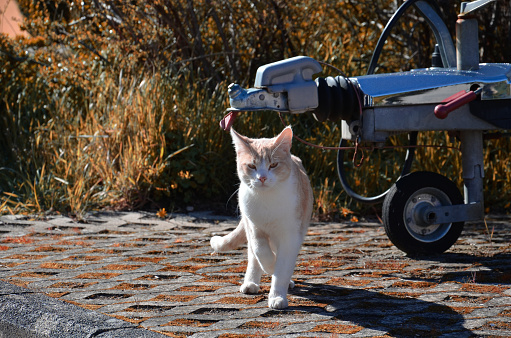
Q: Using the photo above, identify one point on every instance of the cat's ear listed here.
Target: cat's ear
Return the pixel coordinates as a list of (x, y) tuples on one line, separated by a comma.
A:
[(241, 143), (284, 140)]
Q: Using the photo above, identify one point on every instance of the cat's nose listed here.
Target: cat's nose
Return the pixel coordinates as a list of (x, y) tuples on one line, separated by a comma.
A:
[(262, 179)]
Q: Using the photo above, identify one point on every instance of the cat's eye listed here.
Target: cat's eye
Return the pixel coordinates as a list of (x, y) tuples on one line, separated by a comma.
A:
[(273, 165), (251, 166)]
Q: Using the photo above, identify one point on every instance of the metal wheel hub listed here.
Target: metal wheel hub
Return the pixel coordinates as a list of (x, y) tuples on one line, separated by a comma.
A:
[(419, 220)]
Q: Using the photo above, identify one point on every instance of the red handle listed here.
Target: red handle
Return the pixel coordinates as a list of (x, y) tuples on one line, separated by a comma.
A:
[(228, 120), (454, 102)]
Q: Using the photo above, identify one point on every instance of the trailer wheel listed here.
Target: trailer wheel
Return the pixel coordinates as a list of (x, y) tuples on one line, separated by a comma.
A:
[(403, 220)]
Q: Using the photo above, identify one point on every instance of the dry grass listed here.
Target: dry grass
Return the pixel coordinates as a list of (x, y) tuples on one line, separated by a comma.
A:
[(118, 106)]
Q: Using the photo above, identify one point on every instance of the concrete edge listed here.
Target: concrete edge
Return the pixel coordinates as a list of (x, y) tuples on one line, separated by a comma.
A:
[(24, 313)]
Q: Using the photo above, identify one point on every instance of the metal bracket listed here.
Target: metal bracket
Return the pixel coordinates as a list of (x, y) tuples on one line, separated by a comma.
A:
[(441, 32), (256, 99), (468, 7), (452, 213)]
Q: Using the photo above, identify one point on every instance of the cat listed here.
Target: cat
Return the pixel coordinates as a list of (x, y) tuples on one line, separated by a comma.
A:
[(275, 200)]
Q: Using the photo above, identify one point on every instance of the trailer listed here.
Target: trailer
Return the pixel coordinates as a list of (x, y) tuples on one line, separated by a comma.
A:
[(423, 212)]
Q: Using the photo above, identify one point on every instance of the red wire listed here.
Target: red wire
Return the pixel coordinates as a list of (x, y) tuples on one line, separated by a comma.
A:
[(365, 147)]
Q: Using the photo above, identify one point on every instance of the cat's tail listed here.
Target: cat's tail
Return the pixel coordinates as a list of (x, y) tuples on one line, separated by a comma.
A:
[(230, 241)]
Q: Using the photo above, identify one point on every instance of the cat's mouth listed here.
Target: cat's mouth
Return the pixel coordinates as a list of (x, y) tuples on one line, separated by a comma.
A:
[(261, 185)]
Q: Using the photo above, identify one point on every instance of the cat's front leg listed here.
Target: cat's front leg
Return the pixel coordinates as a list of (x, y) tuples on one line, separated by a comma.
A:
[(253, 274), (287, 253), (260, 245)]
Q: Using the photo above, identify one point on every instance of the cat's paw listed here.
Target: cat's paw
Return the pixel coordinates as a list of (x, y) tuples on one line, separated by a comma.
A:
[(216, 243), (277, 303), (249, 288), (291, 284)]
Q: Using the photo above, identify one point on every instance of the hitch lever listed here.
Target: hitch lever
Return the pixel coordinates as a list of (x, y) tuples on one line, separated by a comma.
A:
[(455, 101), (228, 120)]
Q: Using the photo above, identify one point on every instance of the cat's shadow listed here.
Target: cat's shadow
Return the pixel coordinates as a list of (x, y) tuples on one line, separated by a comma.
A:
[(399, 315)]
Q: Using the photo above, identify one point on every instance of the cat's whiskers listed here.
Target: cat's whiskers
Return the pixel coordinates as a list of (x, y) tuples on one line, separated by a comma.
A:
[(233, 194)]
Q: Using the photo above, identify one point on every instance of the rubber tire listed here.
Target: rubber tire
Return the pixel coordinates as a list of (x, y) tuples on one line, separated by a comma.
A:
[(394, 208)]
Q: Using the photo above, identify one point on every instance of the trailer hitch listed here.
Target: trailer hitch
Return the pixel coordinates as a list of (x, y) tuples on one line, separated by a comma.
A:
[(287, 86)]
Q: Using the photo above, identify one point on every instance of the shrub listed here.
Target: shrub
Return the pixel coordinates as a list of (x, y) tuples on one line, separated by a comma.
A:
[(116, 104)]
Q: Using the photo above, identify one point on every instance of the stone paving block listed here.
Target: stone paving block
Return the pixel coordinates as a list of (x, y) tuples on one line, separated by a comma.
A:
[(9, 289), (129, 333), (157, 274), (36, 314)]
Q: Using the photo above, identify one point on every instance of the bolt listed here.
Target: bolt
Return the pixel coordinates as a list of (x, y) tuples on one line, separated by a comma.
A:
[(261, 97), (431, 217)]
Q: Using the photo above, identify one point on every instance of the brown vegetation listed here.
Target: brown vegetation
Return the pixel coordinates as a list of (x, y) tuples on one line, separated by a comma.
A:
[(115, 104)]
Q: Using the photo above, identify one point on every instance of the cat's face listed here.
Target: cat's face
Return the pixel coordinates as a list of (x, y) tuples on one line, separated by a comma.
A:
[(263, 163)]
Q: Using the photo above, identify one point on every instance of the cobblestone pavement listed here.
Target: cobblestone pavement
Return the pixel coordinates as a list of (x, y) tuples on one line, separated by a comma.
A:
[(160, 276)]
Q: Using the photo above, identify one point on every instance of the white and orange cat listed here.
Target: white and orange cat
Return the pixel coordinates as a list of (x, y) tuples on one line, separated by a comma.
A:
[(275, 199)]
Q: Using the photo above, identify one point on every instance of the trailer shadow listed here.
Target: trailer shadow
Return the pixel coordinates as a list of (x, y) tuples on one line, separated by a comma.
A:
[(494, 268), (386, 314)]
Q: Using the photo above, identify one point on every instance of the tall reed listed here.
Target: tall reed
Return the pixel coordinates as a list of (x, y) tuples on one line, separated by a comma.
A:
[(117, 106)]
